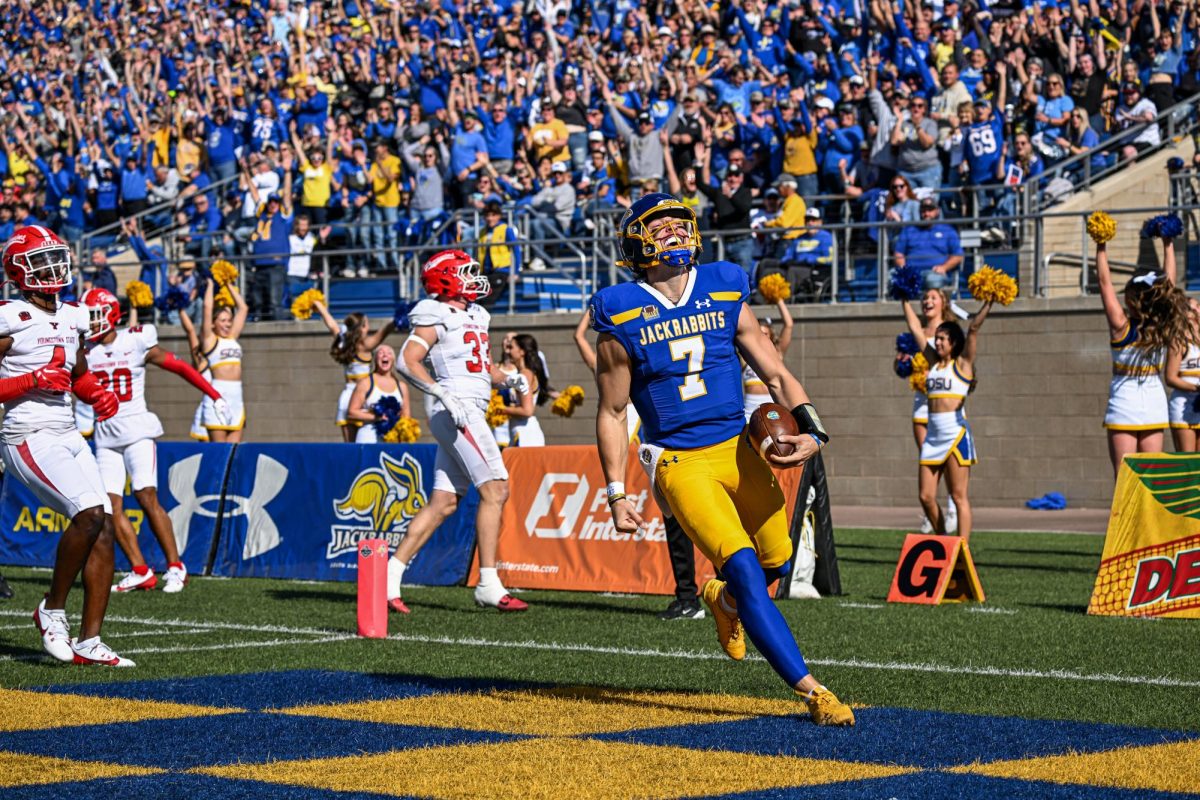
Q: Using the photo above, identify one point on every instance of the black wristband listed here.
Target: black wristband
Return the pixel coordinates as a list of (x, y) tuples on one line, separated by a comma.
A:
[(806, 417)]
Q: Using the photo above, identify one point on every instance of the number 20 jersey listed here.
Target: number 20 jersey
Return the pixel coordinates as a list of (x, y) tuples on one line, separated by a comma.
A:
[(121, 366), (686, 378), (37, 337), (459, 360)]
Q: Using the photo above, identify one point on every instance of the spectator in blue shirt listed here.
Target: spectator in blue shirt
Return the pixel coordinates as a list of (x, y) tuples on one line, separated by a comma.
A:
[(271, 247), (932, 247), (135, 180)]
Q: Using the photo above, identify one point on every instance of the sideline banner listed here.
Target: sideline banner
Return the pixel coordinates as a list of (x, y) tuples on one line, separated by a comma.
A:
[(1151, 561), (300, 510), (190, 477), (814, 555), (556, 531)]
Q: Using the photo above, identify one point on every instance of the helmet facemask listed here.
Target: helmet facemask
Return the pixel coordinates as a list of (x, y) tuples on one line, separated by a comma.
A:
[(98, 321), (474, 284), (47, 269), (640, 234)]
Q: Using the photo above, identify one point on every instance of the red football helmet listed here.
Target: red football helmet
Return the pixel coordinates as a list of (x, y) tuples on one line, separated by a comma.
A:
[(454, 275), (104, 312), (36, 260)]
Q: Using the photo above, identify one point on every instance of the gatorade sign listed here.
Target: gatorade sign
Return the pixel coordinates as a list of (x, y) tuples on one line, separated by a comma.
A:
[(934, 570)]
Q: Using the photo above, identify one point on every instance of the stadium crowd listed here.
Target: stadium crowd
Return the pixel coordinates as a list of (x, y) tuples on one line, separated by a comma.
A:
[(373, 121)]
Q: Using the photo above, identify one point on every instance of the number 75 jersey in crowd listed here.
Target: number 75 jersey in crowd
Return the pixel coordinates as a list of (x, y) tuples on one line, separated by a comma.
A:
[(39, 337), (120, 366), (686, 377), (460, 360)]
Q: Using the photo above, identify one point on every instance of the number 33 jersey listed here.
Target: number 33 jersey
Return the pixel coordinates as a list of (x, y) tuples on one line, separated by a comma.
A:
[(460, 360), (121, 366), (37, 338), (686, 378)]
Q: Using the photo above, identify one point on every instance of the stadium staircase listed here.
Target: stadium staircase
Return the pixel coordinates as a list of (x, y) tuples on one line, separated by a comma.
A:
[(1143, 184)]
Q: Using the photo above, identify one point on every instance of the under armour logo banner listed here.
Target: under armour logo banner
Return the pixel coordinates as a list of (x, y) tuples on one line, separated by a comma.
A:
[(262, 535)]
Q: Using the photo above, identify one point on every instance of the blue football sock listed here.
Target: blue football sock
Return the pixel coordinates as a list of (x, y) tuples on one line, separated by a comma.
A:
[(765, 626), (773, 574)]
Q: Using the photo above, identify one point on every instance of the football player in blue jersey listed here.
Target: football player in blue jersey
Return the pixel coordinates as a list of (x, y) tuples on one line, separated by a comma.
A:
[(669, 343)]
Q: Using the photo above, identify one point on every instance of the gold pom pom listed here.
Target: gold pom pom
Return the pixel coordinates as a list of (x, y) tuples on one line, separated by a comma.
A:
[(223, 298), (223, 272), (774, 288), (406, 431), (139, 294), (570, 399), (991, 284), (495, 415), (302, 306), (920, 370), (1101, 227)]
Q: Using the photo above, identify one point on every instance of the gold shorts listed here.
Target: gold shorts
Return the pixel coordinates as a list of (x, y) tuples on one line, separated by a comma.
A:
[(726, 499)]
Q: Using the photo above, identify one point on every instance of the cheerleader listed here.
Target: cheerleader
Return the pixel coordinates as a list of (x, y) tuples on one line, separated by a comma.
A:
[(754, 391), (353, 343), (949, 448), (1155, 315), (936, 308), (530, 391), (380, 383), (200, 362), (220, 328), (501, 433), (1183, 376)]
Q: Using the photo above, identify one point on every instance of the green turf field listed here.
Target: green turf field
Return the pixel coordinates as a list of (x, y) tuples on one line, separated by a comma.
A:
[(1030, 651)]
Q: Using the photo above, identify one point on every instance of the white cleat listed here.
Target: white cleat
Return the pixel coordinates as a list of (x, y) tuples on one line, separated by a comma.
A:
[(175, 579), (56, 636), (926, 525), (132, 582), (95, 652)]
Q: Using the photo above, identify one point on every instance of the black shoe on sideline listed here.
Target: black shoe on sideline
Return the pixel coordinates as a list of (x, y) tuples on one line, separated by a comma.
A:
[(681, 609), (6, 591)]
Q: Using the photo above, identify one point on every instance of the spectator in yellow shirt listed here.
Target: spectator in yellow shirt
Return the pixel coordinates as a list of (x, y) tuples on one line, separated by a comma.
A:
[(791, 214), (799, 147), (316, 170), (549, 137), (385, 210)]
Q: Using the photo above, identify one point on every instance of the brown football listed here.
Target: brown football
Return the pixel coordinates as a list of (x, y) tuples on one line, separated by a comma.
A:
[(766, 424)]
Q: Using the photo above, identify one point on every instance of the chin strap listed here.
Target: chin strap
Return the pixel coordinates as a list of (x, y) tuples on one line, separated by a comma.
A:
[(173, 363)]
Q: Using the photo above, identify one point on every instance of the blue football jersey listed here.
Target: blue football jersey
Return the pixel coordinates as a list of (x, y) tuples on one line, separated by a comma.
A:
[(686, 380)]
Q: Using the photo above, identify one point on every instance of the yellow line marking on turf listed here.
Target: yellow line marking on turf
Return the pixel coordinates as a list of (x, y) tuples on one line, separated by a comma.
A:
[(1161, 767), (554, 768), (23, 770), (26, 711), (560, 711)]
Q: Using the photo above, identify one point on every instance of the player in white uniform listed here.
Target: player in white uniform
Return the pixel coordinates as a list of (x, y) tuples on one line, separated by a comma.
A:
[(1155, 316), (43, 360), (380, 384), (219, 331), (754, 391), (450, 333), (353, 345), (125, 442), (1182, 374), (951, 357)]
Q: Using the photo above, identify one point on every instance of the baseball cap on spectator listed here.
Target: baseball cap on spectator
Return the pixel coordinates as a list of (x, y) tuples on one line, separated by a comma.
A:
[(274, 197), (928, 203), (559, 166), (596, 136), (756, 97), (845, 108), (1129, 87), (788, 180), (812, 213), (644, 118), (733, 169), (706, 28), (665, 31), (825, 103), (1037, 62), (772, 192), (857, 80), (785, 103)]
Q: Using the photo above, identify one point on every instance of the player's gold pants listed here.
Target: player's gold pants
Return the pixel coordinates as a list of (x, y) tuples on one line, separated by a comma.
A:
[(726, 499)]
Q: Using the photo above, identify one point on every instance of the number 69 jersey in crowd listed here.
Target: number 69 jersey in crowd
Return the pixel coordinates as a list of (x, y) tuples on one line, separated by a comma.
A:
[(121, 367), (460, 359), (686, 378), (38, 338)]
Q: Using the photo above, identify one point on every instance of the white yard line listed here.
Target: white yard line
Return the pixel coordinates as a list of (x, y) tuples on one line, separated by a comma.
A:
[(860, 605), (990, 610), (238, 645), (189, 623)]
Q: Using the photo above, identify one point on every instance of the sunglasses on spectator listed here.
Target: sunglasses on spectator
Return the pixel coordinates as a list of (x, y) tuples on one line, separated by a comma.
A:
[(899, 186)]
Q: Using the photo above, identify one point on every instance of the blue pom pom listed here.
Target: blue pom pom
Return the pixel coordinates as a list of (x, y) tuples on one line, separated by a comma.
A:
[(907, 343), (400, 320), (173, 299), (1163, 226), (903, 367), (905, 283), (388, 411)]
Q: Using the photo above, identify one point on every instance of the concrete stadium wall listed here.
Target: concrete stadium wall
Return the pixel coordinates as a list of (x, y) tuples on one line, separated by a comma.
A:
[(1043, 377)]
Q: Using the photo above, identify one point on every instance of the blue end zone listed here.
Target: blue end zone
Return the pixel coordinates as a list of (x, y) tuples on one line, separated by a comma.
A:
[(171, 785), (232, 739), (927, 739), (259, 691), (924, 786)]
